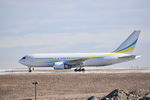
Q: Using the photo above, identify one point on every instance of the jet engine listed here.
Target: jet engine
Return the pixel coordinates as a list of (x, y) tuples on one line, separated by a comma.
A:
[(61, 65)]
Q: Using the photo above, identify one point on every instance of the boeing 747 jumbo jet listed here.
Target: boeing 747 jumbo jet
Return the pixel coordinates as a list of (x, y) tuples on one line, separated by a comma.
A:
[(61, 61)]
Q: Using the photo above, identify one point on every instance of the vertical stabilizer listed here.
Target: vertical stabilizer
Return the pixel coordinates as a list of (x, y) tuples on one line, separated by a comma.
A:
[(129, 44)]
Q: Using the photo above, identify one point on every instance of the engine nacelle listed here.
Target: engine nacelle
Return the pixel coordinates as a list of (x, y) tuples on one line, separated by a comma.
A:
[(61, 65)]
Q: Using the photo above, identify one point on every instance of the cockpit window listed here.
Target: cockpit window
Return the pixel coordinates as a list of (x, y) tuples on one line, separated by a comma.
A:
[(24, 58)]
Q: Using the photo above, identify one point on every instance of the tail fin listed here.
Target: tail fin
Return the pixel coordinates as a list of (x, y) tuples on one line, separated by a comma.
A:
[(129, 44)]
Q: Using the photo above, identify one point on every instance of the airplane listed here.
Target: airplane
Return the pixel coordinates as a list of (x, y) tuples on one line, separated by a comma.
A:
[(60, 61)]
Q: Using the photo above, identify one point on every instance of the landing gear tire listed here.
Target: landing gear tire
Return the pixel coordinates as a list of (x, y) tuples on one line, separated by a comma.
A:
[(82, 69), (76, 70), (79, 70), (30, 70)]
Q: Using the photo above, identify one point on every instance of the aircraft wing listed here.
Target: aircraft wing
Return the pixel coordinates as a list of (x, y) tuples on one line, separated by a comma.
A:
[(76, 61)]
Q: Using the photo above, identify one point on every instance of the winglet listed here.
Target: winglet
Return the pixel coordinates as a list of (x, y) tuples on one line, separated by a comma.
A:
[(129, 44)]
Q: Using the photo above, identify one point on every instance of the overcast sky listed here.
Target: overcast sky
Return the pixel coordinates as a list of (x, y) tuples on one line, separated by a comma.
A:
[(51, 26)]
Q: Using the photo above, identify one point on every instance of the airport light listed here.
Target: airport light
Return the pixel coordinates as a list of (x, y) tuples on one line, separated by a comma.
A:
[(35, 83)]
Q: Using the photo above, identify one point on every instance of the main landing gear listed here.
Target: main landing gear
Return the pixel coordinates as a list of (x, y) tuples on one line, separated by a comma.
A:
[(79, 69)]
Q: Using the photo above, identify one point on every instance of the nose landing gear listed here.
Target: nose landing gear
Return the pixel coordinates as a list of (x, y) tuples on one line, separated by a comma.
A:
[(30, 70)]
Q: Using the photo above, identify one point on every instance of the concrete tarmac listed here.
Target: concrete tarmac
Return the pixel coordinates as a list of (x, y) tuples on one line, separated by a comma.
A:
[(25, 71)]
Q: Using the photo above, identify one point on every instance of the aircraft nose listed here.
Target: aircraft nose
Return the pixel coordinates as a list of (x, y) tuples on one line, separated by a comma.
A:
[(20, 61)]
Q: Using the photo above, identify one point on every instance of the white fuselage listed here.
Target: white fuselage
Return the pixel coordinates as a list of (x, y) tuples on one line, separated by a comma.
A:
[(90, 59)]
